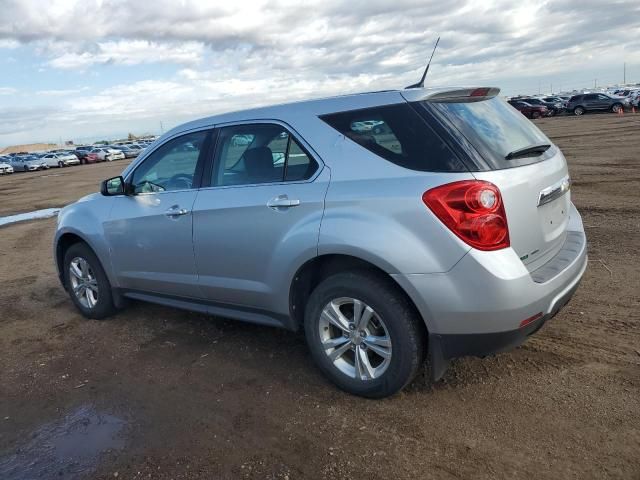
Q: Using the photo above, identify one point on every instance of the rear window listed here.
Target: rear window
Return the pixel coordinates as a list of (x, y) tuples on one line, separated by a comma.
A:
[(494, 129), (398, 134)]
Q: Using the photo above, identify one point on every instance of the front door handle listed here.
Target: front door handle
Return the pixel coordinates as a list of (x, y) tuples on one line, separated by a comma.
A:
[(176, 211), (282, 201)]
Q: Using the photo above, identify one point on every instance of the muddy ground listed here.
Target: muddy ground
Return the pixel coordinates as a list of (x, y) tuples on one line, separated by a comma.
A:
[(168, 394)]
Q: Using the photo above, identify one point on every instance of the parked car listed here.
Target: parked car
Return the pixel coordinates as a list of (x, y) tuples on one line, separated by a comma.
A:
[(138, 147), (62, 159), (594, 102), (82, 151), (557, 101), (528, 110), (128, 152), (382, 254), (26, 163), (91, 158), (107, 154), (5, 166), (552, 108)]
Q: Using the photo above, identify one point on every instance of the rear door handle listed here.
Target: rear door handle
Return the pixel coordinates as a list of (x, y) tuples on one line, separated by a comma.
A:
[(176, 211), (282, 201)]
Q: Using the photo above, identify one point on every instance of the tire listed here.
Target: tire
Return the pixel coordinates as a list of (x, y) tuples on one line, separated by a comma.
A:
[(60, 164), (535, 114), (393, 320), (552, 113), (26, 169), (104, 305), (616, 107), (578, 111)]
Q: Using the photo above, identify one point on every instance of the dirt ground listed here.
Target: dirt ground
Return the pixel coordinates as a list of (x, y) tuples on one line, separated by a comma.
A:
[(200, 397)]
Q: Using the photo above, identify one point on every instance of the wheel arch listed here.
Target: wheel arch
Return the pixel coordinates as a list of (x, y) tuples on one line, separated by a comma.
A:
[(315, 270), (63, 243)]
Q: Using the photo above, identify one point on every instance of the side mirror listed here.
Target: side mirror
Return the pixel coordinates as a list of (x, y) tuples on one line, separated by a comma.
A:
[(112, 187)]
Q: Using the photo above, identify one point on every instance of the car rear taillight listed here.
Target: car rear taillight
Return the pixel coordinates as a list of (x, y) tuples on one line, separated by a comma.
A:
[(473, 210)]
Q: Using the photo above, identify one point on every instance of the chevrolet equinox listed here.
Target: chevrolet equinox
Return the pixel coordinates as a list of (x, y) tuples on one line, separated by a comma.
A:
[(389, 226)]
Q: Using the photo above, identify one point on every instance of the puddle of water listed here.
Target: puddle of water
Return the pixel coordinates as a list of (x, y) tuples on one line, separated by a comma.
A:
[(66, 449), (21, 217)]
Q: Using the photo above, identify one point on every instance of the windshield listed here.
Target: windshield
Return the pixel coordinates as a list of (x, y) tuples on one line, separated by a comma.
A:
[(495, 129)]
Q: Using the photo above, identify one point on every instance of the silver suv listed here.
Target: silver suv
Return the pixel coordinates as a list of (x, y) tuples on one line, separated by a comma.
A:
[(390, 226)]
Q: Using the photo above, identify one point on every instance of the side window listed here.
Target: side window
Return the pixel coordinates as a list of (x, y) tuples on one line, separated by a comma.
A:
[(399, 135), (259, 153), (299, 165), (172, 166)]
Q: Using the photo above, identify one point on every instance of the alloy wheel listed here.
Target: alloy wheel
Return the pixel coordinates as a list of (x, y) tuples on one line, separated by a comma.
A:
[(83, 282), (355, 338)]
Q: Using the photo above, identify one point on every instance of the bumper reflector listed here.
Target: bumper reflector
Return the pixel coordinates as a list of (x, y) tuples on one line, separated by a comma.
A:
[(529, 320)]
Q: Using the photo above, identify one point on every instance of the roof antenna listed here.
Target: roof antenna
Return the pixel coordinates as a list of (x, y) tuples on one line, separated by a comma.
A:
[(420, 84)]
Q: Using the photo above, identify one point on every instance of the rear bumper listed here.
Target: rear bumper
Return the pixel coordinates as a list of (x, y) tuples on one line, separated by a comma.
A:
[(477, 307), (484, 344), (491, 292)]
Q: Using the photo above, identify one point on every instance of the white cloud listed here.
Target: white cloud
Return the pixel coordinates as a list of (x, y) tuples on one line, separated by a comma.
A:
[(61, 92), (130, 52), (9, 43), (8, 91), (225, 56)]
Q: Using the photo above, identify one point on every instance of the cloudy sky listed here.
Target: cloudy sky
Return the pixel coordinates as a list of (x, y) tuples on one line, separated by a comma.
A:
[(90, 68)]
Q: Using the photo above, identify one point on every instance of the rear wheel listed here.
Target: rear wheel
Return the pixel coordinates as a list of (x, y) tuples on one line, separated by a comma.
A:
[(364, 334), (578, 111), (87, 283)]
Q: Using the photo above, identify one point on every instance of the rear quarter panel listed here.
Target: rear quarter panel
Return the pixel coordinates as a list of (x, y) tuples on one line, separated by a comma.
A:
[(374, 211)]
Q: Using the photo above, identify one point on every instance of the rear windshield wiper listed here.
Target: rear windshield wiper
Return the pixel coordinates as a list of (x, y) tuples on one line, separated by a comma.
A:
[(523, 152)]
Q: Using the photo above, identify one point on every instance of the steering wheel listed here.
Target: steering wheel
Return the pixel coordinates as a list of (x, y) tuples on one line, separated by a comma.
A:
[(180, 181)]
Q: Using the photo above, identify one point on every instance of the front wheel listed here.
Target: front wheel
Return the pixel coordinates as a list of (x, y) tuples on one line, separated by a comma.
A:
[(364, 334), (60, 164), (535, 115), (578, 111), (87, 283), (616, 108)]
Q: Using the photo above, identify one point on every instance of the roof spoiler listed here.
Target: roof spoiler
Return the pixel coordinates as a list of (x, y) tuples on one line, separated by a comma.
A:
[(465, 94)]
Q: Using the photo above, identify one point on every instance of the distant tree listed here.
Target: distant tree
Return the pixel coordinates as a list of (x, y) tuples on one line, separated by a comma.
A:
[(131, 136)]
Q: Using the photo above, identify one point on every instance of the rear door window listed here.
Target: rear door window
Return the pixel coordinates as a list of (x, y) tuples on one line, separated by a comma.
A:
[(259, 153), (398, 134)]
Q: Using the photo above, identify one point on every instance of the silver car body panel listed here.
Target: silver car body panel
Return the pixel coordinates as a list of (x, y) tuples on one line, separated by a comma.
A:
[(489, 292), (235, 256)]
